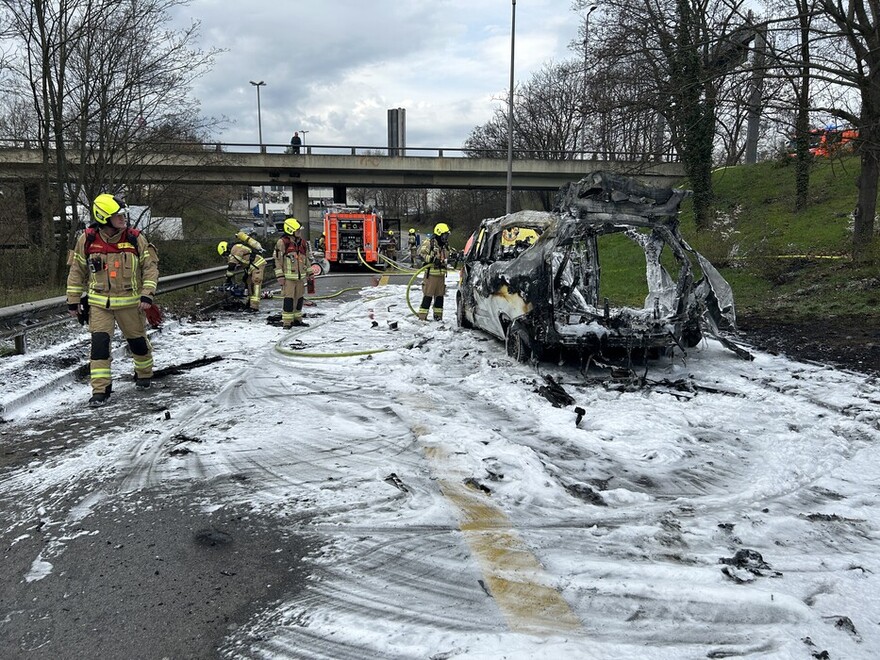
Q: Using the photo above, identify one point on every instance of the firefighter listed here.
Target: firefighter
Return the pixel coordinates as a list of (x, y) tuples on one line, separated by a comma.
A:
[(119, 269), (322, 243), (435, 252), (248, 257), (391, 246), (293, 261), (413, 244)]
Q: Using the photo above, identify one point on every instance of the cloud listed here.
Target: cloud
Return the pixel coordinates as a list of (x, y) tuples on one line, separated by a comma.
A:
[(335, 68)]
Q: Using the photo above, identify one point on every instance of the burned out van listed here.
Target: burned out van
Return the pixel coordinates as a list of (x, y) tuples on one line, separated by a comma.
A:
[(533, 278)]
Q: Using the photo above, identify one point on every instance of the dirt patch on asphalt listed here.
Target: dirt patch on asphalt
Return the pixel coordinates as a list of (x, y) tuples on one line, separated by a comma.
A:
[(846, 342)]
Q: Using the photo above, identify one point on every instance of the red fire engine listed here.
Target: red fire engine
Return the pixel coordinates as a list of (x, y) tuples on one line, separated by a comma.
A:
[(349, 231)]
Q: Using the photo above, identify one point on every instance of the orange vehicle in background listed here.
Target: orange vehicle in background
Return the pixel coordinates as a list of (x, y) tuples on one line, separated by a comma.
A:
[(828, 142), (349, 231)]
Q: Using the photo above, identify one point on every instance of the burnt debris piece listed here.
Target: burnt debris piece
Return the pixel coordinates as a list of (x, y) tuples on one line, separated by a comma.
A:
[(746, 565), (532, 278)]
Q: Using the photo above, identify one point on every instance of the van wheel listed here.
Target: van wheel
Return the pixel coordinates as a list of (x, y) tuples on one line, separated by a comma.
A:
[(459, 313), (519, 346)]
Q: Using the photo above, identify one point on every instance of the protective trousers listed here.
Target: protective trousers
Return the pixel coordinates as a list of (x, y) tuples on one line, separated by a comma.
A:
[(434, 286), (102, 323), (254, 284), (291, 308)]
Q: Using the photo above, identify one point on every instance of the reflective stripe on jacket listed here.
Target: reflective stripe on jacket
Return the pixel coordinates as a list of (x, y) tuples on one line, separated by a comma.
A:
[(244, 256), (114, 269), (293, 258)]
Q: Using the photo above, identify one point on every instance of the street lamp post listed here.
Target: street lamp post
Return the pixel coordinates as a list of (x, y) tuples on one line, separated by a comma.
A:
[(510, 112), (591, 9), (259, 114), (304, 135), (262, 149)]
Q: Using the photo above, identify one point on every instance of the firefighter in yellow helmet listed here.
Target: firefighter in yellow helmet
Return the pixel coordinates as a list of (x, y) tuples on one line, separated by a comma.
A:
[(293, 267), (245, 254), (118, 269), (413, 245), (435, 252), (391, 246)]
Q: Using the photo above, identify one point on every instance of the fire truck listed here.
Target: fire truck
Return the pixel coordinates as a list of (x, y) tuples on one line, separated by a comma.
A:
[(348, 231), (827, 142)]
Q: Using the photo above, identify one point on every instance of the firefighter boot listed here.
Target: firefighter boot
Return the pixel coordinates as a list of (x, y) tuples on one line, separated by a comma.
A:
[(100, 398)]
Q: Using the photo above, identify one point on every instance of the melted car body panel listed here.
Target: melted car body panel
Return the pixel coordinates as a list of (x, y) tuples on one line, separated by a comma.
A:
[(541, 270)]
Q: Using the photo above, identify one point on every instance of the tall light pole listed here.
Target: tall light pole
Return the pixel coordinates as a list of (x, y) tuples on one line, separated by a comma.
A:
[(591, 9), (259, 115), (510, 111), (304, 135), (260, 135)]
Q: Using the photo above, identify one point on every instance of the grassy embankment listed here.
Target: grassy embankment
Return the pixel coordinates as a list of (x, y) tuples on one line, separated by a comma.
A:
[(781, 264)]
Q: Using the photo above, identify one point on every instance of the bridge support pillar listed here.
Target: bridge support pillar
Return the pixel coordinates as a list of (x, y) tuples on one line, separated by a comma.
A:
[(300, 202)]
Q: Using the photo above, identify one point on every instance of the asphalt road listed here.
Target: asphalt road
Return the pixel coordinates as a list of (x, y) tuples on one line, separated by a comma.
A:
[(137, 573)]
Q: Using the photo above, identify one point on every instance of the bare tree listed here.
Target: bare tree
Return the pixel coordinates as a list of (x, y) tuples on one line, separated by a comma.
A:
[(856, 64), (109, 84), (678, 53)]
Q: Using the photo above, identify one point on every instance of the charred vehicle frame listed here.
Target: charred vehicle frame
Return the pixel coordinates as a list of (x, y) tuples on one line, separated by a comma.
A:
[(532, 278)]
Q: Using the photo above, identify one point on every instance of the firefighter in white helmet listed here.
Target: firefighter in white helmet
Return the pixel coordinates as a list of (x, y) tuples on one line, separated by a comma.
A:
[(119, 269), (435, 252), (293, 268)]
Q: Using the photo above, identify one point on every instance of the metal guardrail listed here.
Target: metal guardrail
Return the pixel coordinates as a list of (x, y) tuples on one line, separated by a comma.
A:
[(16, 321)]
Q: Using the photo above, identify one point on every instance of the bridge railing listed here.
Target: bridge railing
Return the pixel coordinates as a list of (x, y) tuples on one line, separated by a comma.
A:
[(371, 150)]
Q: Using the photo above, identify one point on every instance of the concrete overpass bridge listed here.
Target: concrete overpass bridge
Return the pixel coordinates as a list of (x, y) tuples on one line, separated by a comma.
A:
[(339, 167)]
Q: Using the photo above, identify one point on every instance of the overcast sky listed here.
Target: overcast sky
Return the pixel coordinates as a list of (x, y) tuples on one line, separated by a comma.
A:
[(334, 68)]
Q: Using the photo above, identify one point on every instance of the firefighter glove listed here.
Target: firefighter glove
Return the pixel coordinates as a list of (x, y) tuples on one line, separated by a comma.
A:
[(146, 300)]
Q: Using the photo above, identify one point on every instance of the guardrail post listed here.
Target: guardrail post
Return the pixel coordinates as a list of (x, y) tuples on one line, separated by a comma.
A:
[(21, 343)]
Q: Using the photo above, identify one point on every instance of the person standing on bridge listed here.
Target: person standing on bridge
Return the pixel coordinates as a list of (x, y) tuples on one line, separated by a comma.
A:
[(119, 269), (435, 252), (293, 267), (295, 142)]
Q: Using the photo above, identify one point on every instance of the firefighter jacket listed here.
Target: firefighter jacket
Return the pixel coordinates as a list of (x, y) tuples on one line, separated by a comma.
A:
[(116, 268), (293, 258), (247, 258), (435, 255)]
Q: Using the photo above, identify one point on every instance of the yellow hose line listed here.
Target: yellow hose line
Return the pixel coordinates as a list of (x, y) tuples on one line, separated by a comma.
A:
[(409, 286), (292, 353), (361, 259), (333, 295), (398, 267), (368, 351)]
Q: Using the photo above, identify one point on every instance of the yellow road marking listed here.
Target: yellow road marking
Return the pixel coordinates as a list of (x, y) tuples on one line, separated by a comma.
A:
[(513, 575), (383, 280)]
